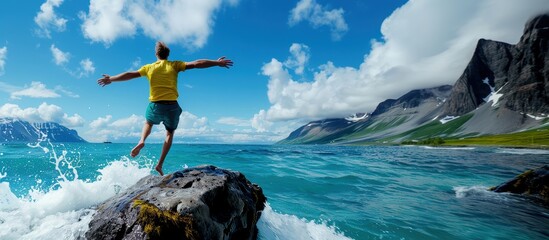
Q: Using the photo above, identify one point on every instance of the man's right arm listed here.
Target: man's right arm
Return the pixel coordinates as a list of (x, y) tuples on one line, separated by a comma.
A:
[(106, 79)]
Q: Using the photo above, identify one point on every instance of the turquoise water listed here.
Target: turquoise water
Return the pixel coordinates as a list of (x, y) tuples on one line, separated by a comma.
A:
[(47, 191)]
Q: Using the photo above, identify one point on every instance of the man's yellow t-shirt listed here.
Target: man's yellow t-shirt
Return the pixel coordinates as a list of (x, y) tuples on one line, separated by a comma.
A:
[(162, 77)]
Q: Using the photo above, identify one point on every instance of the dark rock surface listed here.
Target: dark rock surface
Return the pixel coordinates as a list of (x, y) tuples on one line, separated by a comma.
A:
[(520, 72), (532, 182), (204, 202)]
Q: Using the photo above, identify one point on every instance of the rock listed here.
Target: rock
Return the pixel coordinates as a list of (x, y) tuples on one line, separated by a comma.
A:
[(519, 72), (532, 182), (490, 61), (204, 202)]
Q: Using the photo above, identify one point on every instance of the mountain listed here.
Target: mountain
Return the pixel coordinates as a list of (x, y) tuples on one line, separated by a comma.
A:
[(391, 117), (503, 89), (14, 130)]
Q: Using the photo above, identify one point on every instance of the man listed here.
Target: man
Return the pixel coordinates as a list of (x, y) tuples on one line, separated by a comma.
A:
[(163, 106)]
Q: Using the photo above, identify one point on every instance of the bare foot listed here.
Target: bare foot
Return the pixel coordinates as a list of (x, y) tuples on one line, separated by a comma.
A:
[(136, 149), (159, 170)]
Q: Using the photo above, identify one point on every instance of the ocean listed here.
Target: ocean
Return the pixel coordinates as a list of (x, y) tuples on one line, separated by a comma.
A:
[(48, 191)]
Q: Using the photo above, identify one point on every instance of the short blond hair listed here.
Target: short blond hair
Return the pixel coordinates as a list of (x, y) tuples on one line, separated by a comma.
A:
[(162, 51)]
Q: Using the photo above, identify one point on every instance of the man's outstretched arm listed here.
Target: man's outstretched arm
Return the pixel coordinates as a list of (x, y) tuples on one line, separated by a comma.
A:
[(106, 79), (206, 63)]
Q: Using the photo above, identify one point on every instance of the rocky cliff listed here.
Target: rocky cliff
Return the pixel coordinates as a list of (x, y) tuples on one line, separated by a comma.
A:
[(519, 73), (205, 202)]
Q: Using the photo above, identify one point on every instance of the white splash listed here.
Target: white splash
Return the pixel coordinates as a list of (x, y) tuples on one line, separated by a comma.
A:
[(64, 210), (273, 225), (463, 192), (3, 173)]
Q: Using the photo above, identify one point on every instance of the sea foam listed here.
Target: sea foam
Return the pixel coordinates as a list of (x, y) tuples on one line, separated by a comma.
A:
[(274, 225), (63, 211)]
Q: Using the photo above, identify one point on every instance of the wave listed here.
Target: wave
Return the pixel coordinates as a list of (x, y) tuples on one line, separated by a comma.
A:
[(480, 192), (65, 210), (449, 148), (522, 151), (273, 225)]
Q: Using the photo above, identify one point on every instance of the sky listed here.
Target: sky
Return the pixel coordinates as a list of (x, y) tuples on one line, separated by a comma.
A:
[(295, 61)]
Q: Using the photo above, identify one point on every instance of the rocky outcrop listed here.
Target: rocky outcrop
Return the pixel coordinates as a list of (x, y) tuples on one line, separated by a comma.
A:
[(519, 72), (532, 182), (529, 90), (490, 61), (205, 202)]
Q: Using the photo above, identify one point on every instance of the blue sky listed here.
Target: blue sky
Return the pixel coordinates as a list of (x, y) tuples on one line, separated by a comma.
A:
[(295, 61)]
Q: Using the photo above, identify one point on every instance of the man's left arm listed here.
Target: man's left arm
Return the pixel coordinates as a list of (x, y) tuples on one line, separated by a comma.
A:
[(206, 63)]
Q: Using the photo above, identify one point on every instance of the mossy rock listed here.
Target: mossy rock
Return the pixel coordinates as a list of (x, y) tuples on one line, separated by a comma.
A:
[(162, 224), (203, 202), (533, 182)]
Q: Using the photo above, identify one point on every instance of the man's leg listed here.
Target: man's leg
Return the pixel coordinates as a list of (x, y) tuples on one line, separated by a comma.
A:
[(165, 149), (146, 131)]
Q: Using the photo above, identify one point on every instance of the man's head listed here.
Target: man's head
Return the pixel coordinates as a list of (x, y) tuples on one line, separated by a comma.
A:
[(162, 51)]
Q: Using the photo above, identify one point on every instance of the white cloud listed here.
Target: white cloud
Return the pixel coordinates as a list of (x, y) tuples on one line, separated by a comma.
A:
[(44, 113), (3, 56), (66, 92), (59, 57), (426, 43), (299, 58), (86, 67), (36, 90), (136, 64), (106, 21), (106, 128), (132, 123), (62, 59), (73, 121), (260, 122), (187, 22), (191, 122), (318, 16), (100, 122), (232, 121), (46, 18), (5, 87)]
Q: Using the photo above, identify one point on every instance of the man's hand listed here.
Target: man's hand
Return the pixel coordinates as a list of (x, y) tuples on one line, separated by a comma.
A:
[(224, 62), (104, 81)]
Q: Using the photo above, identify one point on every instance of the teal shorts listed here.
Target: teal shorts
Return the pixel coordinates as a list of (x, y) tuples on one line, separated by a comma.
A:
[(168, 114)]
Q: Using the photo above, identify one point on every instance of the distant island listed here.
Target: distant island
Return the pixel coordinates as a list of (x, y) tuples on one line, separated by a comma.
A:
[(501, 99), (17, 131)]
